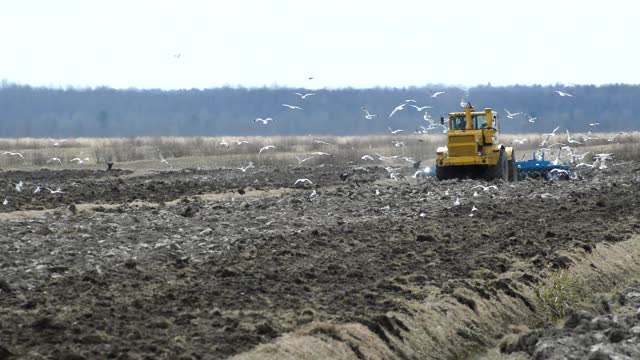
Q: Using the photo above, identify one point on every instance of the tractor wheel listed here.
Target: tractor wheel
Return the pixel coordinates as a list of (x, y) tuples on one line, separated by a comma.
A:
[(500, 169), (442, 173), (513, 167)]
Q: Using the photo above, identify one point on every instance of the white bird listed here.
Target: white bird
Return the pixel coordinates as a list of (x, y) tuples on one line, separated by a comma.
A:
[(313, 194), (587, 165), (266, 148), (80, 161), (531, 119), (435, 94), (397, 108), (244, 169), (474, 208), (57, 142), (320, 153), (12, 154), (446, 192), (302, 181), (511, 115), (410, 100), (54, 159), (594, 124), (240, 142), (553, 133), (398, 143), (393, 132), (300, 161), (463, 103), (457, 202), (224, 143), (520, 142), (367, 157), (420, 108), (559, 171), (37, 190), (570, 140), (56, 191), (367, 114), (305, 95), (485, 188), (563, 93), (475, 194), (5, 202), (293, 107), (19, 186), (321, 142), (263, 121), (162, 159)]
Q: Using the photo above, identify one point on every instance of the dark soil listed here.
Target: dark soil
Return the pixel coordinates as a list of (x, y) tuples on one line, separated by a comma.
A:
[(212, 279)]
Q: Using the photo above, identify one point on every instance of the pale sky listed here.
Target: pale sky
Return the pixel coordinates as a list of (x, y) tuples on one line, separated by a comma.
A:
[(341, 43)]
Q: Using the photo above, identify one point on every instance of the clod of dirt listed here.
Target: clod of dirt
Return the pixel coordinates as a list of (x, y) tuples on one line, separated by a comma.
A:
[(5, 353), (426, 238), (4, 286), (130, 264)]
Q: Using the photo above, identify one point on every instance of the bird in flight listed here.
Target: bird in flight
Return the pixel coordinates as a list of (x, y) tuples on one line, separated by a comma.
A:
[(367, 114), (240, 142), (5, 202), (457, 202), (570, 140), (320, 153), (80, 161), (54, 159), (244, 169), (594, 124), (563, 94), (553, 133), (398, 143), (510, 115), (19, 186), (531, 119), (397, 108), (56, 191), (300, 161), (520, 142), (305, 95), (12, 154), (263, 121), (56, 142), (303, 182), (420, 108), (410, 100), (393, 132), (293, 107), (435, 94), (37, 190), (367, 157), (321, 142), (266, 148)]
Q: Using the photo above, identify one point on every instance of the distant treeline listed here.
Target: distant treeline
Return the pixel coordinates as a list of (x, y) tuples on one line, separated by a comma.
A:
[(104, 112)]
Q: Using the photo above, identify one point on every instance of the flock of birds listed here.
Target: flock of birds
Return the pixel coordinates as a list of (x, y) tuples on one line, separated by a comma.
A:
[(545, 146)]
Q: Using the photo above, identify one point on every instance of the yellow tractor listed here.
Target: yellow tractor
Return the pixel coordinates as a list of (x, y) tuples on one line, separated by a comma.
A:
[(473, 149)]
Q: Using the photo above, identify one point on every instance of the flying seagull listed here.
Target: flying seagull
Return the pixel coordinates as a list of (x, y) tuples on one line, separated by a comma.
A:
[(563, 94), (162, 159), (300, 161), (80, 161), (240, 142), (367, 157), (54, 159), (510, 115), (367, 114), (302, 181), (304, 96), (56, 142), (320, 153), (12, 154), (293, 107), (56, 191), (594, 124), (520, 142), (420, 108), (321, 142), (266, 148), (570, 139), (244, 169), (397, 108), (393, 132), (19, 186), (410, 100), (263, 121), (435, 94), (532, 119)]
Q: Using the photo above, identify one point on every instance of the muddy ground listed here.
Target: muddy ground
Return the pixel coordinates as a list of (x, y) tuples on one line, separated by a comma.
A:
[(213, 278)]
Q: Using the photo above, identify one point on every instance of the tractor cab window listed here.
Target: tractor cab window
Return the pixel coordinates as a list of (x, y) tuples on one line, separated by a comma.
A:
[(458, 123), (479, 121)]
